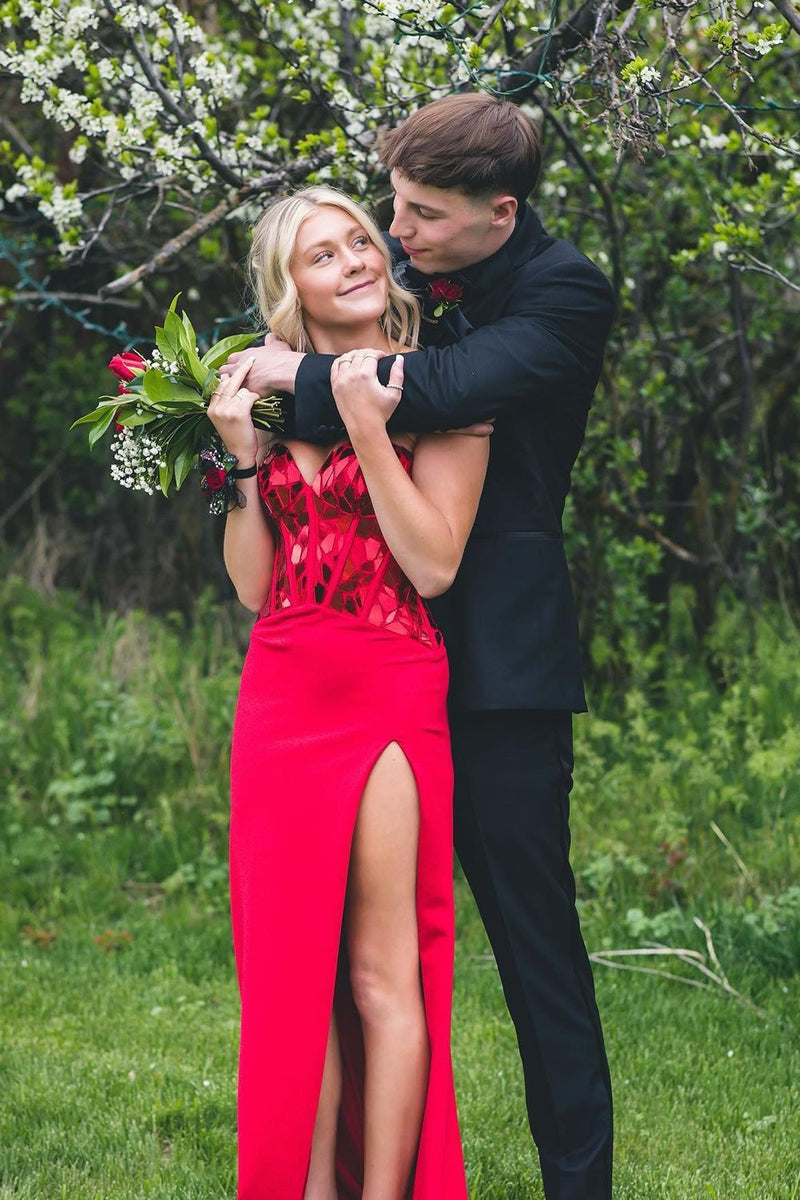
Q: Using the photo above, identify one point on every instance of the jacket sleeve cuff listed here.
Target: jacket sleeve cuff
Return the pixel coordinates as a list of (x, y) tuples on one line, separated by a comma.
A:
[(316, 417)]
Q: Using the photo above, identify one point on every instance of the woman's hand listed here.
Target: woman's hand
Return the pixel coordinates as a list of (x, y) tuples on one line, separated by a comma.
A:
[(273, 366), (230, 412), (363, 402)]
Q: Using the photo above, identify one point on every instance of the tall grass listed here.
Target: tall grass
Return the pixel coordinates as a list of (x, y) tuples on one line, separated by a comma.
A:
[(687, 793)]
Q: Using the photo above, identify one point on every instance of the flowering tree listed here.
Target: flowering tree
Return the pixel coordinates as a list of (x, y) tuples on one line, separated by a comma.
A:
[(138, 139), (165, 120)]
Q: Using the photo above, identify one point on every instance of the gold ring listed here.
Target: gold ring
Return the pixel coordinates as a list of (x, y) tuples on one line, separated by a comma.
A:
[(398, 386)]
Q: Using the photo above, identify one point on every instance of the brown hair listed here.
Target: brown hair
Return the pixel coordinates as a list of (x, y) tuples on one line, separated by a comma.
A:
[(270, 262), (473, 142)]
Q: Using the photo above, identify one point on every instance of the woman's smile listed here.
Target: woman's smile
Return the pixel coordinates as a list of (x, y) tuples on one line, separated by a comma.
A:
[(358, 287)]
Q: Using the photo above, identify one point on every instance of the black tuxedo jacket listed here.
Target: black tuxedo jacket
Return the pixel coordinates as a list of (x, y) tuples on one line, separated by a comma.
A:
[(525, 347)]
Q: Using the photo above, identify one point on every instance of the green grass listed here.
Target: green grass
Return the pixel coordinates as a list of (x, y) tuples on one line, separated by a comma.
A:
[(117, 1070), (117, 1066)]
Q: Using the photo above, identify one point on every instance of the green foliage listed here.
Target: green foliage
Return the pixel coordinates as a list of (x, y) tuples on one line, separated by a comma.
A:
[(119, 1066), (687, 798), (116, 729)]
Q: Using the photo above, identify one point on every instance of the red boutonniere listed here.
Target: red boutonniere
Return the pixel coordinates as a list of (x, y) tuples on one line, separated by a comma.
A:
[(447, 295)]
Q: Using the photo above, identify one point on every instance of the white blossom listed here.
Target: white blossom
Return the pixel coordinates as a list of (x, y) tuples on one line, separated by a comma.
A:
[(15, 192), (765, 43), (62, 210)]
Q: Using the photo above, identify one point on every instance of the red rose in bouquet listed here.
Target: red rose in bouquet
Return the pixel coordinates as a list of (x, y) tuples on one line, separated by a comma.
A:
[(121, 365)]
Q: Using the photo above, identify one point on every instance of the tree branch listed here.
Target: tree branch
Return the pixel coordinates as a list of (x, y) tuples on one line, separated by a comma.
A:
[(552, 46), (489, 22), (639, 521), (602, 190), (142, 56), (32, 488), (789, 12), (18, 137), (755, 264), (176, 245)]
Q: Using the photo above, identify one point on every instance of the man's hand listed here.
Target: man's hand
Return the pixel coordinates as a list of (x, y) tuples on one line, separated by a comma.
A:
[(274, 368), (479, 429), (362, 400)]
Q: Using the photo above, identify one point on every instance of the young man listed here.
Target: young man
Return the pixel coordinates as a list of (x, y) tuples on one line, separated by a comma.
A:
[(515, 324)]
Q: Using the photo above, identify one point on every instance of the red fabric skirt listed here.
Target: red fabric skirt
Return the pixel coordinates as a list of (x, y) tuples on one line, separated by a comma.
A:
[(321, 697)]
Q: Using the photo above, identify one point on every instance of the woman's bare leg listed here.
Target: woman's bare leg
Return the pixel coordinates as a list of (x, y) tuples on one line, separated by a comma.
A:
[(321, 1181), (383, 948)]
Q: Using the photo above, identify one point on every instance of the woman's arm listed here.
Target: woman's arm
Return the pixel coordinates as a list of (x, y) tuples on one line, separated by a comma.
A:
[(249, 547), (425, 518)]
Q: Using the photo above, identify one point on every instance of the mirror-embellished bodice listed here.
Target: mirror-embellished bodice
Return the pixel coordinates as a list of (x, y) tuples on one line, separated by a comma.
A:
[(329, 549)]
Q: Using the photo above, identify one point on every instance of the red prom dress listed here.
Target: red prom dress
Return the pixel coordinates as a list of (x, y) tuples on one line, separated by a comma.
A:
[(343, 661)]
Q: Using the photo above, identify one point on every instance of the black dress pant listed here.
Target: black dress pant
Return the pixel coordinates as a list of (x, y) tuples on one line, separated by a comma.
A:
[(513, 779)]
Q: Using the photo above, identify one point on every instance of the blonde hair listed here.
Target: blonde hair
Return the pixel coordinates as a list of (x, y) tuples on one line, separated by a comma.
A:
[(270, 260)]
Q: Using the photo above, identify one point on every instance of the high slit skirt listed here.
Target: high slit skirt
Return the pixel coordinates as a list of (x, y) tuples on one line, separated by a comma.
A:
[(322, 695)]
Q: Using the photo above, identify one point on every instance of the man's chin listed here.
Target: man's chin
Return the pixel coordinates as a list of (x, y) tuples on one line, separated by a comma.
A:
[(426, 267)]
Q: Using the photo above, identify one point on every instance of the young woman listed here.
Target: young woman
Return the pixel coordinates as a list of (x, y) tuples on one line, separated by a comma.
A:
[(341, 830)]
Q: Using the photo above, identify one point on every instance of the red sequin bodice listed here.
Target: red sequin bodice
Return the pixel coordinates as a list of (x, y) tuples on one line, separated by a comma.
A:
[(329, 549)]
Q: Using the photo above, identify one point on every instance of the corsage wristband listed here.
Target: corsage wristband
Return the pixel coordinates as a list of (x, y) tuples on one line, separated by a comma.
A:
[(219, 473)]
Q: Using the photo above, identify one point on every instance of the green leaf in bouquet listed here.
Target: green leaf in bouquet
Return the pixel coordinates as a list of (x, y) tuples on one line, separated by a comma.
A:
[(166, 344), (189, 357), (189, 328), (183, 465), (177, 433), (97, 414), (173, 333), (101, 425), (219, 353), (157, 387), (210, 384), (165, 476), (134, 418), (184, 395)]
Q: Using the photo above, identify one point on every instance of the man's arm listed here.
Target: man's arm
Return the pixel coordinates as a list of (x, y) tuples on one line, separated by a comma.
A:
[(549, 345)]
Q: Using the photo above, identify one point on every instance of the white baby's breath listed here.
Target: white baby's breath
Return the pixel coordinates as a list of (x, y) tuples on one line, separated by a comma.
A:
[(137, 459)]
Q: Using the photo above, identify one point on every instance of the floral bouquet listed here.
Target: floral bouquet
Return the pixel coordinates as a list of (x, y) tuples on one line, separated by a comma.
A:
[(162, 430)]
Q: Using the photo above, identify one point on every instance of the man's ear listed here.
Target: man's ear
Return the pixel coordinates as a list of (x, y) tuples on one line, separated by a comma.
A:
[(504, 210)]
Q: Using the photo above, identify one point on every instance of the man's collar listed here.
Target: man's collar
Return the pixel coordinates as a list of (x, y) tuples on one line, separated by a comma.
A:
[(484, 274)]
